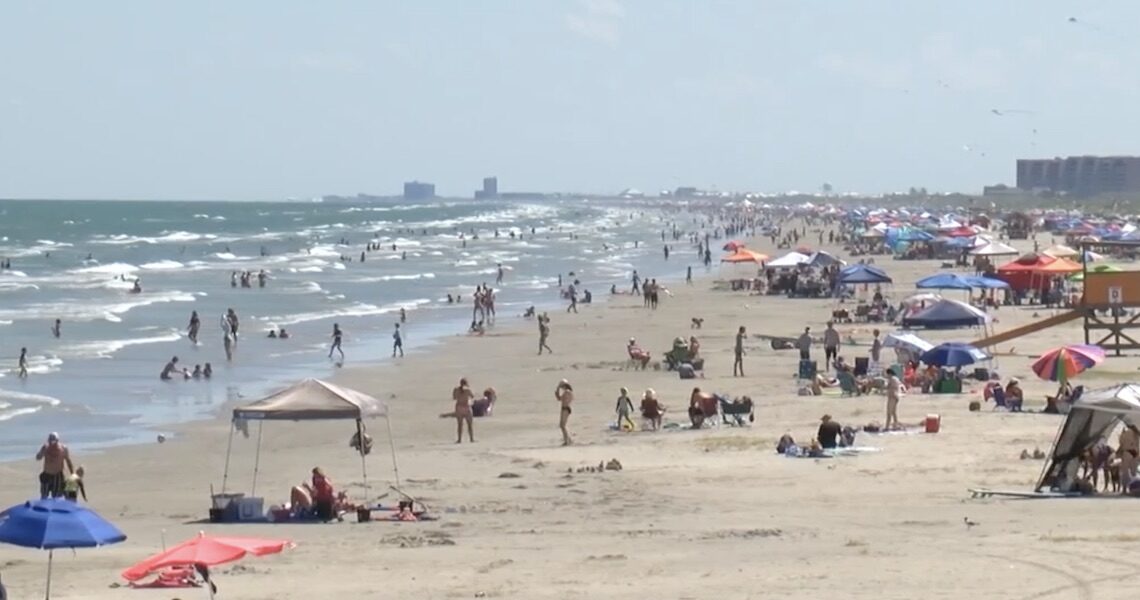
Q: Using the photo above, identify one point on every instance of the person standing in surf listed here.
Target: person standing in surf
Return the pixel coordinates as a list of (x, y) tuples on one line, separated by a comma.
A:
[(232, 319), (336, 339), (55, 328), (193, 327), (227, 337), (22, 365)]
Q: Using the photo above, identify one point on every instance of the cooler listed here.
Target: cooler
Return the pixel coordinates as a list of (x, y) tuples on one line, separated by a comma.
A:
[(250, 509), (933, 423), (807, 369), (862, 365)]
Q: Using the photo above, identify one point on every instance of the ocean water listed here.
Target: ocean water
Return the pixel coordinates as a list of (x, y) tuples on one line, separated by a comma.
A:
[(98, 383)]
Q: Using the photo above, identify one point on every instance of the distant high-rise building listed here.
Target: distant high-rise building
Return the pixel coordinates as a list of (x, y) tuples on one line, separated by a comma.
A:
[(1080, 175), (418, 190), (490, 188)]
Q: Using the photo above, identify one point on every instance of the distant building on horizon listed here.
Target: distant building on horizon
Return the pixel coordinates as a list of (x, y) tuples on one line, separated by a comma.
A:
[(418, 190), (1080, 175), (490, 189)]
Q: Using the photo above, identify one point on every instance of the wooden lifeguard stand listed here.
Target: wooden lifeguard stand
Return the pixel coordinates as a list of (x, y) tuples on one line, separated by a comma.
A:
[(1107, 295)]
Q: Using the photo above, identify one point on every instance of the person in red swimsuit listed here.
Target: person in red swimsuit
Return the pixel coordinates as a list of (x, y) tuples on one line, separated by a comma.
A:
[(324, 496)]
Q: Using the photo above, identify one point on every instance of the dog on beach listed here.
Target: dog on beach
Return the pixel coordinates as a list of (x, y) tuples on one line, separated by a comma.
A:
[(696, 323)]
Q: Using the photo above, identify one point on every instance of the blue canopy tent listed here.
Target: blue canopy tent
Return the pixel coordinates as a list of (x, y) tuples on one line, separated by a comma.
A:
[(986, 283), (943, 281), (947, 314), (863, 274)]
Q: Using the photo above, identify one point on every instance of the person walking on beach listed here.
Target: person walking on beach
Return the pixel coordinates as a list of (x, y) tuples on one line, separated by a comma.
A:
[(397, 341), (573, 294), (543, 333), (564, 394), (462, 395), (193, 327), (55, 329), (803, 344), (894, 390), (876, 347), (830, 344), (636, 283), (689, 275), (22, 364), (499, 277), (337, 334), (738, 351), (55, 457)]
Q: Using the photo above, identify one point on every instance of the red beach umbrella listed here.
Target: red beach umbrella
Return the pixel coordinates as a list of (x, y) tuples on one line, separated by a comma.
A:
[(204, 550)]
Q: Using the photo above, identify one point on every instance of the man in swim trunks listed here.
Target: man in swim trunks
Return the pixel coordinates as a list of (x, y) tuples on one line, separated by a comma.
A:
[(564, 394), (462, 396), (55, 456)]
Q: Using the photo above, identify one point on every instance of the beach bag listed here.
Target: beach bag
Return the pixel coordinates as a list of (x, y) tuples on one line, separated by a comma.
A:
[(686, 371)]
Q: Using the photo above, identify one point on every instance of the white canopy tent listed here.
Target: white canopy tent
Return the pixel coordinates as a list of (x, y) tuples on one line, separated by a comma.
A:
[(1092, 417), (791, 259), (995, 249), (313, 400)]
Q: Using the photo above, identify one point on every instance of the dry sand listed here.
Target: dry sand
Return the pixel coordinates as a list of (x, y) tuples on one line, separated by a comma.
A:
[(706, 514)]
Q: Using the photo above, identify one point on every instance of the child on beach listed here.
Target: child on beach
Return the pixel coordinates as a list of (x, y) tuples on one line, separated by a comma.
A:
[(73, 486), (624, 409)]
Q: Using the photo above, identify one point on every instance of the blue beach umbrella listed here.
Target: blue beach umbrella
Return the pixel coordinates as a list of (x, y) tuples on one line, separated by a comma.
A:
[(55, 523), (953, 354)]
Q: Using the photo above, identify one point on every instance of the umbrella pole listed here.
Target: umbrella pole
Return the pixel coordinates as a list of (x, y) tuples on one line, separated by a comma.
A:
[(392, 447), (256, 460), (363, 462), (229, 448), (47, 593)]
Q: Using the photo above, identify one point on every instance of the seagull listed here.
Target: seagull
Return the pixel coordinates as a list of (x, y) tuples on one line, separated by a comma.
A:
[(969, 524)]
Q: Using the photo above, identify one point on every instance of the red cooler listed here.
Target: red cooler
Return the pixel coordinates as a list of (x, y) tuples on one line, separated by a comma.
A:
[(933, 423)]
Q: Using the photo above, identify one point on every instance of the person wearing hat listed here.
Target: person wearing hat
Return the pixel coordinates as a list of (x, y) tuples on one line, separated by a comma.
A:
[(55, 456), (829, 432), (1014, 396), (624, 409)]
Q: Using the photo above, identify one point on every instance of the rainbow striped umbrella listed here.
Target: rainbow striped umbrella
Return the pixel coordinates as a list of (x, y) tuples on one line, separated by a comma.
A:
[(1060, 364)]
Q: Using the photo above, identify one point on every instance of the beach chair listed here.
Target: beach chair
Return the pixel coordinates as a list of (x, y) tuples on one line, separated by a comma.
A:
[(847, 384), (637, 357), (736, 409)]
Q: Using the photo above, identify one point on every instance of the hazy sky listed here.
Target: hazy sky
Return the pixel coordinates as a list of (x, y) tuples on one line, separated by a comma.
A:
[(262, 99)]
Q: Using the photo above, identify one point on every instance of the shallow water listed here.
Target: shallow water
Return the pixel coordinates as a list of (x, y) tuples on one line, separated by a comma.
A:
[(98, 383)]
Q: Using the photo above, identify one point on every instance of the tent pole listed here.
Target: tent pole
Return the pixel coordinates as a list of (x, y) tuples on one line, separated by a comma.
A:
[(229, 448), (47, 593), (392, 447), (363, 462), (256, 460)]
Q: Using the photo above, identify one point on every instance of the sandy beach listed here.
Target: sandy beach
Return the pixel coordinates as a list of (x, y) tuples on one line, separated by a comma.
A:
[(714, 513)]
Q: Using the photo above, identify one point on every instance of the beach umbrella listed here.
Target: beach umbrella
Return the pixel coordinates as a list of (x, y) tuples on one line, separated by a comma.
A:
[(1060, 364), (55, 523), (745, 256), (204, 551), (953, 354)]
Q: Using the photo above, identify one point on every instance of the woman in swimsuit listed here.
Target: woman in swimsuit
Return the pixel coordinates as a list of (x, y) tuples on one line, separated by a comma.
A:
[(336, 339), (565, 396), (462, 395)]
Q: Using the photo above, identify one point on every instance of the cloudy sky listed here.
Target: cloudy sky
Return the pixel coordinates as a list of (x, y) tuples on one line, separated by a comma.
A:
[(264, 99)]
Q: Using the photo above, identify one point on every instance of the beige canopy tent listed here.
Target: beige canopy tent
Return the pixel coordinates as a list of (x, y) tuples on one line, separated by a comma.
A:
[(1062, 251), (313, 400), (994, 249)]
